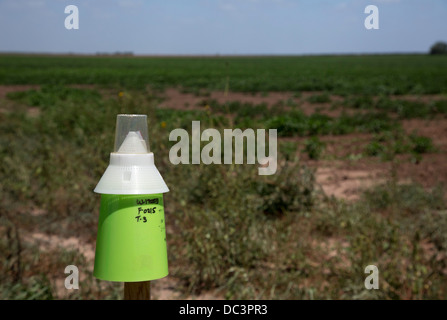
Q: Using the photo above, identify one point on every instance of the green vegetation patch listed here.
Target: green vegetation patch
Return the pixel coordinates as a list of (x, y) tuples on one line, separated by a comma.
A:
[(344, 75)]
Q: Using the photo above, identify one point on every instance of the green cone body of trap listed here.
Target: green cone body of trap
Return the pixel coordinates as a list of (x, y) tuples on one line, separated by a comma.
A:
[(131, 239)]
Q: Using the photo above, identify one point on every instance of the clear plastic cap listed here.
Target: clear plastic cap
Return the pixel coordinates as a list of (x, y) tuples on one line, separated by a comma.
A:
[(131, 135)]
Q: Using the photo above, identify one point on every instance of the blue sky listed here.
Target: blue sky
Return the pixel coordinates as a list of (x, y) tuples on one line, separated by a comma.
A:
[(222, 26)]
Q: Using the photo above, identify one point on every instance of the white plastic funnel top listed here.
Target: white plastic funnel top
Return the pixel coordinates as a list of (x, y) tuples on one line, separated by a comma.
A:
[(131, 134), (131, 169)]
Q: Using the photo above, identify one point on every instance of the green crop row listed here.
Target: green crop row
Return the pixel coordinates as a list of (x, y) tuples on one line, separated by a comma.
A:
[(374, 75), (405, 109)]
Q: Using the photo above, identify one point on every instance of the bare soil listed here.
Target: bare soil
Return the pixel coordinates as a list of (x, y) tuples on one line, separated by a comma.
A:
[(4, 89)]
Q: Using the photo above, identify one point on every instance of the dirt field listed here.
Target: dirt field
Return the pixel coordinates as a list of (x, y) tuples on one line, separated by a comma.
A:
[(342, 172), (349, 177)]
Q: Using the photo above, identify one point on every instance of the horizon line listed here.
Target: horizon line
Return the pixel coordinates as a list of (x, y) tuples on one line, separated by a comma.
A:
[(210, 55)]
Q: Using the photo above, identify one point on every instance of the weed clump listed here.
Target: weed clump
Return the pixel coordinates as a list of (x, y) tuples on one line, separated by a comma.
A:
[(387, 144)]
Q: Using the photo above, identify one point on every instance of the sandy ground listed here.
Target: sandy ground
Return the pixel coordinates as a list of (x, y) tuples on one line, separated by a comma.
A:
[(162, 289)]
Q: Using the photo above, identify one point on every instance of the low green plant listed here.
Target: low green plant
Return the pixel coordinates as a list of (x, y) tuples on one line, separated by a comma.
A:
[(314, 147), (409, 198), (390, 143), (374, 148), (35, 288), (288, 149), (403, 108), (360, 102), (320, 98), (439, 106), (51, 95), (292, 124), (224, 219), (421, 144)]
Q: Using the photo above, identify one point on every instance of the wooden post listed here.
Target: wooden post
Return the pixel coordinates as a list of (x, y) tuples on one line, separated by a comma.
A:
[(137, 290)]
